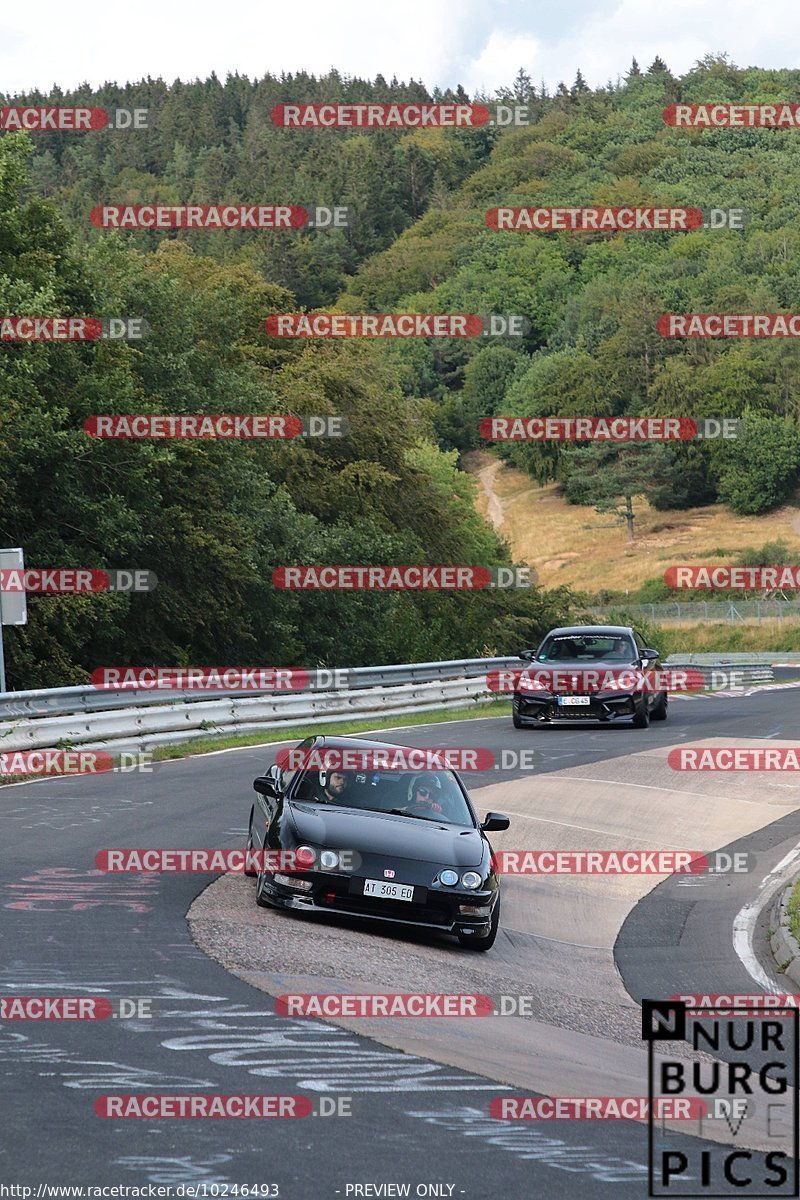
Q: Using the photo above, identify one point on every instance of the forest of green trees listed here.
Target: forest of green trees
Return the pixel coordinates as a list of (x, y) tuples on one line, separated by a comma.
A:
[(213, 518)]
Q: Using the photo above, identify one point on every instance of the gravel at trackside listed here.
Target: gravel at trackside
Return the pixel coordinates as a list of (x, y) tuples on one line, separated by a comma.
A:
[(277, 952)]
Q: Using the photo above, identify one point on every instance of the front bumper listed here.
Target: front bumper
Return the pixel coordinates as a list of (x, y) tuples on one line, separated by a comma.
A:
[(544, 707), (343, 895)]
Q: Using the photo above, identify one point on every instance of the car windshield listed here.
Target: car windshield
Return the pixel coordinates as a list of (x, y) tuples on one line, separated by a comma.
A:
[(418, 795), (587, 648)]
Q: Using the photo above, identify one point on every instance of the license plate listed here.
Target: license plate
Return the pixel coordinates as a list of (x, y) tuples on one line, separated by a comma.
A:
[(574, 699), (388, 891)]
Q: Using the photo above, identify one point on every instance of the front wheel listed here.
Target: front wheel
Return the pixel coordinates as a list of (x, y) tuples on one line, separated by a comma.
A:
[(248, 850), (516, 720), (659, 712), (473, 943), (641, 716), (261, 900)]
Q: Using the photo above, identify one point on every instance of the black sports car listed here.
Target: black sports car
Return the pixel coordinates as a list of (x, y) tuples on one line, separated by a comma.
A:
[(589, 672), (401, 846)]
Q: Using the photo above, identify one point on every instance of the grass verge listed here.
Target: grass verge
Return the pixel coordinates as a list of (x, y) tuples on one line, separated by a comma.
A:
[(771, 637), (291, 733), (793, 909)]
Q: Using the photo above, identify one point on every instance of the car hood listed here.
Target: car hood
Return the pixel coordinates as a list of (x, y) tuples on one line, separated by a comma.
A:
[(603, 664), (378, 833)]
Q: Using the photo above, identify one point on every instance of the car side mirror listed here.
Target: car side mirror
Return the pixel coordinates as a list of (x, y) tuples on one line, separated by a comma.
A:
[(527, 655), (650, 655), (265, 787), (495, 821)]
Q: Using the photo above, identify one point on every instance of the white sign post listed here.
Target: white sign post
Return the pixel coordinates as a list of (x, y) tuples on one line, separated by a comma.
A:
[(13, 605)]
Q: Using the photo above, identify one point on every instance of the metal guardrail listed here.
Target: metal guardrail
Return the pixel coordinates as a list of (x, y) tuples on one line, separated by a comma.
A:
[(733, 658), (37, 720), (55, 701), (694, 611), (125, 719)]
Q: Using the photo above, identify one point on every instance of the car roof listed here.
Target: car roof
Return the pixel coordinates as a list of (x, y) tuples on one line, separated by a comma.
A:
[(575, 630), (324, 739)]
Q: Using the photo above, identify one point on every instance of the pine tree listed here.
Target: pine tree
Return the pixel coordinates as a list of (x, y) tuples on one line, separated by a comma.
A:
[(524, 91)]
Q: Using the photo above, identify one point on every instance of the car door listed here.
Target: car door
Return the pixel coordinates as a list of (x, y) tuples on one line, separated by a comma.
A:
[(266, 807), (650, 695)]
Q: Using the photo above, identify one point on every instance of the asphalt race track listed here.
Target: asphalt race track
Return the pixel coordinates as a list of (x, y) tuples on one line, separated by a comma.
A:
[(588, 949)]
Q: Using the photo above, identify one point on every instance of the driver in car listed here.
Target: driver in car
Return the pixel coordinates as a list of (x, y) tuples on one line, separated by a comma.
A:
[(427, 798), (331, 787)]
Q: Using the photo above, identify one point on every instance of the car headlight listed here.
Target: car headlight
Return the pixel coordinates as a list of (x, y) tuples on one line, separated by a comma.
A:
[(448, 878), (625, 682), (471, 880), (528, 684), (288, 881), (328, 860)]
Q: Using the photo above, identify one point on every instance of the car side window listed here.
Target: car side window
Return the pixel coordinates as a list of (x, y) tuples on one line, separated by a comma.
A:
[(288, 774)]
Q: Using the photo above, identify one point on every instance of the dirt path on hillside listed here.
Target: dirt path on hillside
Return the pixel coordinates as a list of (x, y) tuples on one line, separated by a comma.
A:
[(495, 507), (794, 518)]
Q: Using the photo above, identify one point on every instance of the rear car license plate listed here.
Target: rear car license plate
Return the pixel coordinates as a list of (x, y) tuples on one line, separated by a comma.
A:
[(574, 700), (388, 891)]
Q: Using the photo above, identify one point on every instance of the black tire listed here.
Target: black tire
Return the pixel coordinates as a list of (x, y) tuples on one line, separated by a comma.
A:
[(260, 901), (521, 722), (641, 717), (659, 712), (249, 849), (482, 944)]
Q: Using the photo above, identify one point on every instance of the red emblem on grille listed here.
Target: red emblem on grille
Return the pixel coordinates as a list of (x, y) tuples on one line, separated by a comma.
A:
[(387, 874)]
